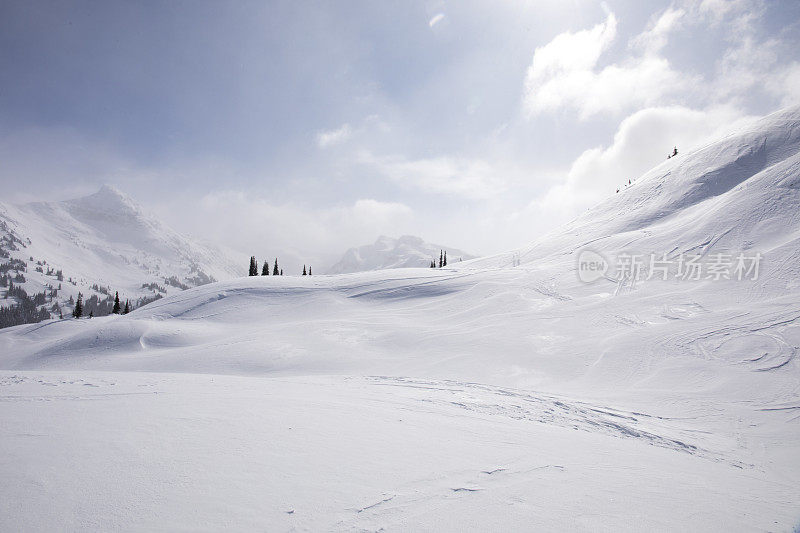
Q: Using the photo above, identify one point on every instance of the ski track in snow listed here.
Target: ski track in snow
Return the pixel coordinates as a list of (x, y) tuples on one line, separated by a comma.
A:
[(542, 409)]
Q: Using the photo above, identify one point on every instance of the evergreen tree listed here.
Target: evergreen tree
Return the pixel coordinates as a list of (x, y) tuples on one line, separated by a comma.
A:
[(91, 314), (127, 307), (253, 266), (304, 270), (26, 311), (116, 309), (78, 311), (275, 271), (440, 259), (281, 272), (433, 263), (445, 259), (309, 270), (265, 270)]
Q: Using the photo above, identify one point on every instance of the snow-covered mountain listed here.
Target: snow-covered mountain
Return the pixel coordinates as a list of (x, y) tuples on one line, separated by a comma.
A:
[(406, 252), (100, 244), (737, 194), (497, 393)]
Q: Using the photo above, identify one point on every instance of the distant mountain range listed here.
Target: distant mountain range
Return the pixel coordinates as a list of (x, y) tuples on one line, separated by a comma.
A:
[(104, 243), (100, 244), (387, 252)]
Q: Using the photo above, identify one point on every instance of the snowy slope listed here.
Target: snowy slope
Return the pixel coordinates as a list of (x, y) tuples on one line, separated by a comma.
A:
[(497, 393), (387, 252), (736, 194), (106, 240)]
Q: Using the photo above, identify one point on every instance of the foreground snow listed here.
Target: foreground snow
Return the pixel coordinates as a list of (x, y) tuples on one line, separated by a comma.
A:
[(138, 451), (500, 393), (589, 411)]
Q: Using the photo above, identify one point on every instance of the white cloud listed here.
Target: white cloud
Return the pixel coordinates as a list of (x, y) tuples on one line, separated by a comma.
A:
[(55, 163), (300, 234), (745, 66), (436, 19), (786, 84), (470, 178), (567, 53), (380, 213), (655, 37), (641, 142), (751, 63), (563, 72), (334, 137), (721, 11)]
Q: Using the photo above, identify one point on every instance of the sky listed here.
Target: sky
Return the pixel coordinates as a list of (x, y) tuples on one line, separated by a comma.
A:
[(305, 128)]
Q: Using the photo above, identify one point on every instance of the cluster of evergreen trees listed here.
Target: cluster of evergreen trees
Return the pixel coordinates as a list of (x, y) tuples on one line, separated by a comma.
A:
[(117, 309), (17, 265), (442, 260), (265, 269), (94, 304), (27, 309), (30, 309)]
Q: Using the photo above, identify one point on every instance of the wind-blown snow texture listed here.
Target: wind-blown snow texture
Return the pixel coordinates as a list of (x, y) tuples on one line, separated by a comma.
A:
[(386, 252), (499, 393), (105, 240)]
